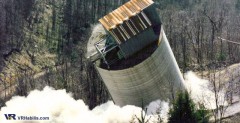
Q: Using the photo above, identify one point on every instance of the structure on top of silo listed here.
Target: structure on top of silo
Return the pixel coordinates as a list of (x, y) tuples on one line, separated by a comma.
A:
[(132, 55)]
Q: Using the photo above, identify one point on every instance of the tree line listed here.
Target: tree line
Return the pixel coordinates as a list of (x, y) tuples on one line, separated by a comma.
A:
[(59, 30)]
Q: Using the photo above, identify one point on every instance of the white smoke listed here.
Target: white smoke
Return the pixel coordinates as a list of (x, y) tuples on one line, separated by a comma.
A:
[(200, 91), (60, 107), (158, 109)]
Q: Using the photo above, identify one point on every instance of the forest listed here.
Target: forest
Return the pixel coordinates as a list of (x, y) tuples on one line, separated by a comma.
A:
[(43, 42)]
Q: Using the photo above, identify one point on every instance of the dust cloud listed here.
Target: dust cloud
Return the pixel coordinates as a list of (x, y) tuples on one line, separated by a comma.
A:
[(60, 107), (202, 92)]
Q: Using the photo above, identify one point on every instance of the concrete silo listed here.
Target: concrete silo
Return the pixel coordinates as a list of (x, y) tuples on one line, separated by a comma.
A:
[(132, 55)]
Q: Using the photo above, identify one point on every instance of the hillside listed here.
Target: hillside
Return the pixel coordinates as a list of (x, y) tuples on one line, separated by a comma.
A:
[(43, 42)]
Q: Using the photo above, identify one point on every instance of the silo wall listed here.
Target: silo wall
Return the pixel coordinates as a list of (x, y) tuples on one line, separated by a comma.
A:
[(157, 77)]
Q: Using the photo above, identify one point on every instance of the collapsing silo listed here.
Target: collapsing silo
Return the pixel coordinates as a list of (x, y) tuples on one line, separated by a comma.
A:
[(132, 55)]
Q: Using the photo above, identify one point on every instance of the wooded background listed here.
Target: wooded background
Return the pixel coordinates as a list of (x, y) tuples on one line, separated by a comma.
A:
[(43, 42)]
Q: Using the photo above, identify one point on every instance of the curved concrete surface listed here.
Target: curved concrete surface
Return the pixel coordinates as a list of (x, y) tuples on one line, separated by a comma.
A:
[(157, 77)]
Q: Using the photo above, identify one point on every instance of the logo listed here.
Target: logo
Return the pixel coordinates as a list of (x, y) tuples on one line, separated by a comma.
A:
[(10, 116)]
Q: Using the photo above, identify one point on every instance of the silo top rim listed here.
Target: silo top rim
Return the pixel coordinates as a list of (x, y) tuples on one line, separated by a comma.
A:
[(123, 13)]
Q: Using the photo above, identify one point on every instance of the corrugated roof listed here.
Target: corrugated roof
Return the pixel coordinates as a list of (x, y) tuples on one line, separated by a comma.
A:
[(123, 13)]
